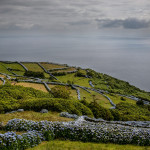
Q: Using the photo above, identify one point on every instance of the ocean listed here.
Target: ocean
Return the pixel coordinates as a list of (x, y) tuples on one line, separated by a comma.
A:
[(126, 58)]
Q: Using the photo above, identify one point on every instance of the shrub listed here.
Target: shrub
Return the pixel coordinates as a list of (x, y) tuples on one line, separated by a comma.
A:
[(140, 102), (55, 104), (100, 112), (61, 91), (34, 74)]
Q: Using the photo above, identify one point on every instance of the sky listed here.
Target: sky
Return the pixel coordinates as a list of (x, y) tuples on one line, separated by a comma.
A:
[(44, 17)]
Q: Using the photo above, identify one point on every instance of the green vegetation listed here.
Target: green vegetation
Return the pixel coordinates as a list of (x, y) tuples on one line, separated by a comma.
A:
[(33, 67), (11, 97), (113, 85), (133, 112), (49, 66), (32, 115), (55, 104), (65, 70), (70, 145), (80, 73), (118, 99), (100, 99), (12, 67), (100, 112), (3, 69), (82, 81), (34, 74), (61, 92)]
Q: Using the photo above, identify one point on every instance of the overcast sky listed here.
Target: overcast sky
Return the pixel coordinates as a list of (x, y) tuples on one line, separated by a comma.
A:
[(74, 16)]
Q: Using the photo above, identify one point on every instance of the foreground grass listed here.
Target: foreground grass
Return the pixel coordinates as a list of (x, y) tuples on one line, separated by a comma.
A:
[(35, 116), (69, 145)]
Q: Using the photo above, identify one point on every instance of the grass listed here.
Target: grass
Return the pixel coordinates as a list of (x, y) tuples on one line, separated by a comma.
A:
[(70, 145), (3, 69), (49, 66), (33, 67), (2, 76), (117, 99), (46, 75), (66, 70), (73, 94), (76, 80), (21, 73), (35, 116), (36, 86), (14, 66), (1, 82), (100, 99)]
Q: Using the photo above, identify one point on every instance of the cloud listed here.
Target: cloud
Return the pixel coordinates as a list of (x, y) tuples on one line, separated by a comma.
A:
[(129, 23), (71, 16), (81, 22)]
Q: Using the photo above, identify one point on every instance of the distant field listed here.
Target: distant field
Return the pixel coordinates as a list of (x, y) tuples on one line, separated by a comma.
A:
[(33, 67), (72, 145), (35, 116), (14, 66), (117, 99), (33, 85), (82, 81), (3, 69), (49, 66), (66, 70), (100, 99)]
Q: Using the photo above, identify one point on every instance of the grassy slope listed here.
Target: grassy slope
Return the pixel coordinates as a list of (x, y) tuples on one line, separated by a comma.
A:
[(69, 145), (100, 99)]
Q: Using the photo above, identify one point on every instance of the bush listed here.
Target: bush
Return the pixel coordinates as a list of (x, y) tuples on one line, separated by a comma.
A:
[(80, 73), (34, 74), (61, 91), (55, 104), (140, 103), (100, 112), (59, 73)]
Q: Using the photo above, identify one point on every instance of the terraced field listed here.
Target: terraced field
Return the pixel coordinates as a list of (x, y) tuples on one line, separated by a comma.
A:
[(117, 99), (33, 85), (65, 70), (3, 69), (100, 99), (33, 67), (49, 66), (82, 81)]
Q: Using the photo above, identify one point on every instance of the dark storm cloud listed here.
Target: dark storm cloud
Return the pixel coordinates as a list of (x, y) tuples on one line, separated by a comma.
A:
[(130, 23)]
